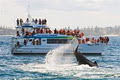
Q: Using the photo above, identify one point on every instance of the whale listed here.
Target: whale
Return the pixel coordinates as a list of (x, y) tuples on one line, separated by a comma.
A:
[(83, 60)]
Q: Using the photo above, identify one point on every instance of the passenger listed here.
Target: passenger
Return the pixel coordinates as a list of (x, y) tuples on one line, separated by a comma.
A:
[(27, 20), (78, 31), (45, 21), (93, 40), (17, 22), (36, 21), (63, 31), (68, 32), (55, 31), (82, 34), (27, 33), (33, 42), (75, 31), (60, 31), (41, 31), (98, 40), (47, 31), (21, 22), (23, 31), (18, 33), (33, 20), (102, 39), (50, 31), (73, 34), (107, 39), (79, 41), (18, 43), (87, 39), (40, 22), (83, 41), (37, 42), (38, 30), (33, 32), (25, 42)]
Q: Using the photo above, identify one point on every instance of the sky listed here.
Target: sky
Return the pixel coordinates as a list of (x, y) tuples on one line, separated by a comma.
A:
[(62, 13)]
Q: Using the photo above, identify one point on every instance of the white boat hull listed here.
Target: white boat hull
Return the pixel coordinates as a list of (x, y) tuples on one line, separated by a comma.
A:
[(92, 49), (88, 49)]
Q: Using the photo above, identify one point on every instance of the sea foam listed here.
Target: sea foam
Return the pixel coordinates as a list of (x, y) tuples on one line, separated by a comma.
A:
[(57, 55)]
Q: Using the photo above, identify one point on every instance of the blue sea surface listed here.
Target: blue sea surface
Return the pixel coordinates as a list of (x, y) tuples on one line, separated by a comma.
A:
[(32, 67)]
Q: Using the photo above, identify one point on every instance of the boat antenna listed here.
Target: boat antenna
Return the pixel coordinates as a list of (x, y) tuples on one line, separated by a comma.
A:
[(28, 11)]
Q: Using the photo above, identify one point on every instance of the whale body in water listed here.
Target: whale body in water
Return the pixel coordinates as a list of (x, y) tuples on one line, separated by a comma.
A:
[(83, 60)]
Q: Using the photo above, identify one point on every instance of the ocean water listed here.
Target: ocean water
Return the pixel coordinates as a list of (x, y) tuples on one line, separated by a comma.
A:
[(34, 67)]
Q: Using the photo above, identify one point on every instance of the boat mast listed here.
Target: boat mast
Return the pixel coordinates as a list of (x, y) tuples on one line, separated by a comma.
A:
[(29, 16)]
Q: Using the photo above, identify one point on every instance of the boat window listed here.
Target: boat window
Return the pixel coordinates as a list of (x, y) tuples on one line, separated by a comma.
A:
[(44, 40), (57, 41), (30, 40)]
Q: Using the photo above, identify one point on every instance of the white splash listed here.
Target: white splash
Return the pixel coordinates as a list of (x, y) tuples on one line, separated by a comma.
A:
[(57, 56), (68, 70), (55, 66)]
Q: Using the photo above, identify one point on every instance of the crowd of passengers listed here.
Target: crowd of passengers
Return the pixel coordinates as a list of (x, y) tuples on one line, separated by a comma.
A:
[(93, 40), (34, 42), (48, 31), (74, 32), (80, 41), (36, 21)]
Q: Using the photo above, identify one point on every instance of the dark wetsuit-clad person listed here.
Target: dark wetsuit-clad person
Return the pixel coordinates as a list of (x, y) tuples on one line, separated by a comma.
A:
[(17, 22), (40, 22), (33, 42), (36, 21), (18, 43), (55, 31), (27, 20), (21, 22), (107, 39), (18, 33), (45, 21)]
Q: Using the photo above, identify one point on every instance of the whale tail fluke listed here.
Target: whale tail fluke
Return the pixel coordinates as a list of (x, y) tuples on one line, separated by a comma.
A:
[(96, 63), (82, 59)]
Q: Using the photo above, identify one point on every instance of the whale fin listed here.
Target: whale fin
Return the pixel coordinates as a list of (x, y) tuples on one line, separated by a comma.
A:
[(82, 59), (95, 63)]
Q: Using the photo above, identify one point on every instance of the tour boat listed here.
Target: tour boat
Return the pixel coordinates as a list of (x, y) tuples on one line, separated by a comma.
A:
[(43, 42), (30, 40)]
